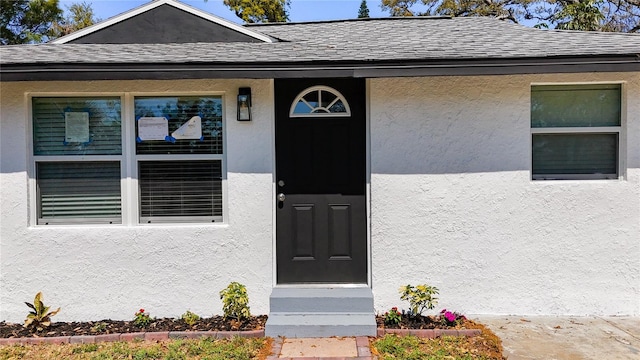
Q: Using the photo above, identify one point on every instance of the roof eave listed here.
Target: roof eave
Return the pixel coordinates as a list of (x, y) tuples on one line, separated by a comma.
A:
[(360, 69)]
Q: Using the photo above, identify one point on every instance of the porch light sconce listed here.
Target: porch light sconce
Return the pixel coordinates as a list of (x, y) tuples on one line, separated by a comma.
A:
[(244, 104)]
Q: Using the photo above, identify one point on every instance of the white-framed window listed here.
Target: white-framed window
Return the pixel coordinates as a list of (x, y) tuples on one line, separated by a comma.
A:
[(576, 131), (77, 150), (127, 159), (180, 177), (318, 101)]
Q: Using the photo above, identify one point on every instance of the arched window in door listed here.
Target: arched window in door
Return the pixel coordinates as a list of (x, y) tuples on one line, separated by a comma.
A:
[(319, 101)]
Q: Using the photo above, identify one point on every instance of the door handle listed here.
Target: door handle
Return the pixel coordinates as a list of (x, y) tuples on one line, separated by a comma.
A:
[(281, 197)]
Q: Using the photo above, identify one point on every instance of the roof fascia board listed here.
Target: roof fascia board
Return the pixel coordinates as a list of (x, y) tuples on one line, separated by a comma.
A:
[(270, 71), (152, 5)]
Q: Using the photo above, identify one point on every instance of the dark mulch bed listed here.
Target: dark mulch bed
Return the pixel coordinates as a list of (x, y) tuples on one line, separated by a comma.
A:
[(420, 322), (216, 323)]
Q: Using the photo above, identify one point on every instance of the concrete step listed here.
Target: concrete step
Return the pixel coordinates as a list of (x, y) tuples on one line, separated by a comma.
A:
[(306, 325), (321, 312), (321, 300)]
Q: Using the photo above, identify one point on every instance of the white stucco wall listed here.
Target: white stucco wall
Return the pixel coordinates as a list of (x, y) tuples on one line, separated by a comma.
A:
[(97, 272), (453, 206)]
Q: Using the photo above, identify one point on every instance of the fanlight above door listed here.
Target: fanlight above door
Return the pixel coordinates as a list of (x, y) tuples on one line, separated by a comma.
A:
[(319, 101)]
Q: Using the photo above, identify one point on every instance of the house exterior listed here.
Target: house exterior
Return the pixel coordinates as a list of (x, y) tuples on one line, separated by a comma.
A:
[(152, 159)]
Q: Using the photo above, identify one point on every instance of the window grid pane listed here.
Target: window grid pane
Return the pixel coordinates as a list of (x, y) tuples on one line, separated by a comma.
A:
[(49, 126), (575, 154), (79, 190), (178, 111), (180, 189), (571, 106)]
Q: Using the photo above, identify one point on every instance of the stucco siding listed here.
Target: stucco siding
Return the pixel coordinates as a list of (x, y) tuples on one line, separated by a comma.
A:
[(453, 204), (96, 272)]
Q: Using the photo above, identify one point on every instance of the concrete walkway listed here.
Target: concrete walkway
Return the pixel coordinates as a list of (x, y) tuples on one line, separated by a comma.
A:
[(523, 337), (551, 338)]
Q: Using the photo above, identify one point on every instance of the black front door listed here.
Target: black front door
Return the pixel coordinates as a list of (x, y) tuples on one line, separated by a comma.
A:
[(320, 184)]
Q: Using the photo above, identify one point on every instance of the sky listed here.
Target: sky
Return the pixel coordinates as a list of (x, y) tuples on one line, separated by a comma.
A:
[(301, 10)]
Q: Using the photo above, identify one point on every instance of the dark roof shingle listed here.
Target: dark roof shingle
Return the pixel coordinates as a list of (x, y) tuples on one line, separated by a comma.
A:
[(389, 39)]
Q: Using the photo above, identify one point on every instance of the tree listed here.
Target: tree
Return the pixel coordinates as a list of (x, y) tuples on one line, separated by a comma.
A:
[(27, 21), (364, 10), (79, 16), (254, 11), (599, 15)]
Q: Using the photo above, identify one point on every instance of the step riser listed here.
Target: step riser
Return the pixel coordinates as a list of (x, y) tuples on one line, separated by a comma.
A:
[(319, 331), (322, 305), (321, 312)]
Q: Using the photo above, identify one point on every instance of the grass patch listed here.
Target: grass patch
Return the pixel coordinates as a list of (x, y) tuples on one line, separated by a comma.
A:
[(486, 346), (206, 348)]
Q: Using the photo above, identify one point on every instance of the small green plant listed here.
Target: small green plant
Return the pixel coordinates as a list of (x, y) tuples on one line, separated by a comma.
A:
[(142, 319), (235, 301), (99, 327), (40, 317), (392, 317), (190, 318), (420, 298)]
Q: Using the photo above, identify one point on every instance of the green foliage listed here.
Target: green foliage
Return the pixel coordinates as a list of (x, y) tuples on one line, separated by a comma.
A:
[(363, 12), (256, 11), (27, 21), (142, 319), (392, 317), (79, 16), (581, 15), (590, 15), (40, 317), (420, 298), (85, 348), (442, 348), (190, 318), (99, 327), (235, 301)]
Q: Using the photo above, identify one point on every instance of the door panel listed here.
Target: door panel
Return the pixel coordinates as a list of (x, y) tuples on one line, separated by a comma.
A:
[(320, 169)]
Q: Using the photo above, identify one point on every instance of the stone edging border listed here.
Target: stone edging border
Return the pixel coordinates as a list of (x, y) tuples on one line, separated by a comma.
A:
[(430, 333), (166, 335), (151, 336)]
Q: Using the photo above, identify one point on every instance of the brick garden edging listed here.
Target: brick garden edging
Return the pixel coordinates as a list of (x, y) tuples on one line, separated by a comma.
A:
[(430, 333), (151, 336), (166, 335)]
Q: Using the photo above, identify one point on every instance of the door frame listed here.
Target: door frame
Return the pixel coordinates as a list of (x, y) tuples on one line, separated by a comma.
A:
[(367, 194)]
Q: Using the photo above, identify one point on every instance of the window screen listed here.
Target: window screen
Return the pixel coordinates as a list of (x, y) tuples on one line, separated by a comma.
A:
[(186, 190), (83, 192)]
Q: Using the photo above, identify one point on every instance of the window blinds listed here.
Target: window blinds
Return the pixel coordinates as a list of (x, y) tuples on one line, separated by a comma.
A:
[(83, 192), (180, 190)]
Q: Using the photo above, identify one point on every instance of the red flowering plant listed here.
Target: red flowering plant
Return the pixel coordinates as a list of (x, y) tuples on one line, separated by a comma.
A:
[(449, 318), (392, 317), (142, 319)]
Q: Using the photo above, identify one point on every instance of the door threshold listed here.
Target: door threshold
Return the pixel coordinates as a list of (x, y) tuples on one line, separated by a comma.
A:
[(322, 286)]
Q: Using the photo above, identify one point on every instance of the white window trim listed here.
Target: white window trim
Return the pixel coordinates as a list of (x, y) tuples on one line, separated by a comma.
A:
[(128, 159), (620, 130), (319, 89)]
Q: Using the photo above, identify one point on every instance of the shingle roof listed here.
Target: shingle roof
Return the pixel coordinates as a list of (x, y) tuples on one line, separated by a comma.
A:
[(389, 39)]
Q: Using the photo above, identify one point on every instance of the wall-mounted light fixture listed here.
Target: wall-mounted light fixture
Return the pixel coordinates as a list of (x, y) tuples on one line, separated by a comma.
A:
[(244, 104)]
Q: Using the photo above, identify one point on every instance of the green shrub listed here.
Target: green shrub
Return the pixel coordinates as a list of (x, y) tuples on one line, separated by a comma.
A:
[(142, 319), (40, 317), (190, 318), (235, 301), (420, 298)]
